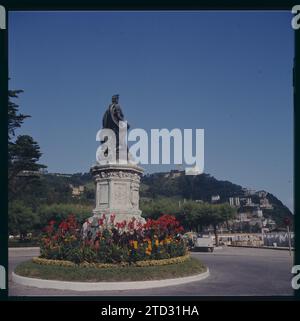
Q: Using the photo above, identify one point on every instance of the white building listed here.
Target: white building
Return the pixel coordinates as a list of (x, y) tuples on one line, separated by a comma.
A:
[(234, 201), (258, 213), (215, 198)]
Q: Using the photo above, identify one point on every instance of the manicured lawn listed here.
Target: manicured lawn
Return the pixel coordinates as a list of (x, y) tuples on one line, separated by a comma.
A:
[(189, 267)]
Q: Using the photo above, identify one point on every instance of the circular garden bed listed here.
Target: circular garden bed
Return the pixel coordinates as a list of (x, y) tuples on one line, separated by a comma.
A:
[(105, 250)]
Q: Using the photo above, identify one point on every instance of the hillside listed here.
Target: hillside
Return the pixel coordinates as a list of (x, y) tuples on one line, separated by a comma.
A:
[(176, 185), (203, 187)]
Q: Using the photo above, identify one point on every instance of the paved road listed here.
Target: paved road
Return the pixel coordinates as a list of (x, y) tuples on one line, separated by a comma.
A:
[(234, 271)]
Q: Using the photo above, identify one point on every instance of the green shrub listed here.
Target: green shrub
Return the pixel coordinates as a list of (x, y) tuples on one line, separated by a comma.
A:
[(21, 219), (60, 212)]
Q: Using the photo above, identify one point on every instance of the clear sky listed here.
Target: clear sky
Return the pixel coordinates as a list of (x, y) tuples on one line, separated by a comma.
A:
[(227, 72)]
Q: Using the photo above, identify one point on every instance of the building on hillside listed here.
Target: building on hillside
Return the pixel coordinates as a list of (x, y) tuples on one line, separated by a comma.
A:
[(215, 198), (234, 201), (269, 223), (243, 217), (262, 194), (264, 203), (258, 212), (256, 221), (77, 190), (60, 175), (173, 173), (27, 173), (248, 191)]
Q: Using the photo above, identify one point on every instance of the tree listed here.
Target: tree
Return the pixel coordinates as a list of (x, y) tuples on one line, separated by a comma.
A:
[(192, 215), (59, 212), (15, 120), (203, 214), (23, 152), (218, 214), (21, 219), (156, 207)]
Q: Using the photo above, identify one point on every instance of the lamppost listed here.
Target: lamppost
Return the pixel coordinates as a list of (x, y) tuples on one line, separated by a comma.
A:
[(287, 223)]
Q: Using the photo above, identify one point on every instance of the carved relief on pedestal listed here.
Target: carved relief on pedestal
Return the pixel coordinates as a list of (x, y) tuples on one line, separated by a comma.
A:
[(134, 195), (103, 193), (119, 195), (117, 190), (119, 174)]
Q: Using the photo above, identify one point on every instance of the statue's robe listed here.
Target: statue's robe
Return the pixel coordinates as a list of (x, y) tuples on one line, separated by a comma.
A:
[(111, 119)]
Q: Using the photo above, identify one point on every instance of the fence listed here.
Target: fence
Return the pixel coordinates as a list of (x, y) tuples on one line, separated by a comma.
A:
[(280, 239)]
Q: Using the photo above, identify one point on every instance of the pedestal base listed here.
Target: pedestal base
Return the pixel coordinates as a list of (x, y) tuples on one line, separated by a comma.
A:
[(117, 190)]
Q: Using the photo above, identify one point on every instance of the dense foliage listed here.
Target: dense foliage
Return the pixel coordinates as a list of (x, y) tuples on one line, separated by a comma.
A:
[(23, 152)]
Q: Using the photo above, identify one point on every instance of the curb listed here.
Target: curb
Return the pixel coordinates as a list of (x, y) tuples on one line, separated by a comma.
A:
[(263, 247), (23, 248), (105, 286), (23, 251)]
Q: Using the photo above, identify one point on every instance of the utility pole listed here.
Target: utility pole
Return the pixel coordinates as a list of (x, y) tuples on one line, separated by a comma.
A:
[(289, 237), (262, 231), (287, 222)]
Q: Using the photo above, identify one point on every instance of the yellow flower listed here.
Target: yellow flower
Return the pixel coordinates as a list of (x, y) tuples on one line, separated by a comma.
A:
[(149, 246)]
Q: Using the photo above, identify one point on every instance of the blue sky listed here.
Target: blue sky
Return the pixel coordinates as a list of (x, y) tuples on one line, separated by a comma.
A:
[(227, 72)]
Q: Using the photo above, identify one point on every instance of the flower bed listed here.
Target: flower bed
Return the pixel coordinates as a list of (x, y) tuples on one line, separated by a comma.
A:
[(174, 260), (104, 241)]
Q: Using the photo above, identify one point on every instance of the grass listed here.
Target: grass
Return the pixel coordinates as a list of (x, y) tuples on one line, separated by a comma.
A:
[(190, 267)]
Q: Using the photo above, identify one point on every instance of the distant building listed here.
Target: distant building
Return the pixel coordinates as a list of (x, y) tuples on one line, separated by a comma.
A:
[(234, 201), (173, 173), (256, 221), (264, 203), (193, 171), (250, 203), (258, 212), (248, 191), (77, 190), (243, 217), (262, 194), (215, 198), (237, 201), (271, 224), (27, 173), (60, 175)]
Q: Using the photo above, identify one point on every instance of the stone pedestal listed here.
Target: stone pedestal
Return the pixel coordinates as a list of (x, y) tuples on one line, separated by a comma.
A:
[(117, 190)]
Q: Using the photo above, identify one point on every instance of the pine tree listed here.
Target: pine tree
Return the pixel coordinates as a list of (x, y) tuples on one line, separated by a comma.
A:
[(23, 152)]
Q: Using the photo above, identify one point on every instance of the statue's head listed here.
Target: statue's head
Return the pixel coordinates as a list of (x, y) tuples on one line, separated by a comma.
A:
[(115, 99)]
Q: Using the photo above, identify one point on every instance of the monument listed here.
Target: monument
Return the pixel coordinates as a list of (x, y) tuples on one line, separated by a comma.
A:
[(118, 182)]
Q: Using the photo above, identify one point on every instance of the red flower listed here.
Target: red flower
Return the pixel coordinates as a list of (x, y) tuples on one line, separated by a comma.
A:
[(112, 218)]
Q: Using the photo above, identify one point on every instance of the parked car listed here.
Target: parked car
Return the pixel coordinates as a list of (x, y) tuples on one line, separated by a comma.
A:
[(203, 243)]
